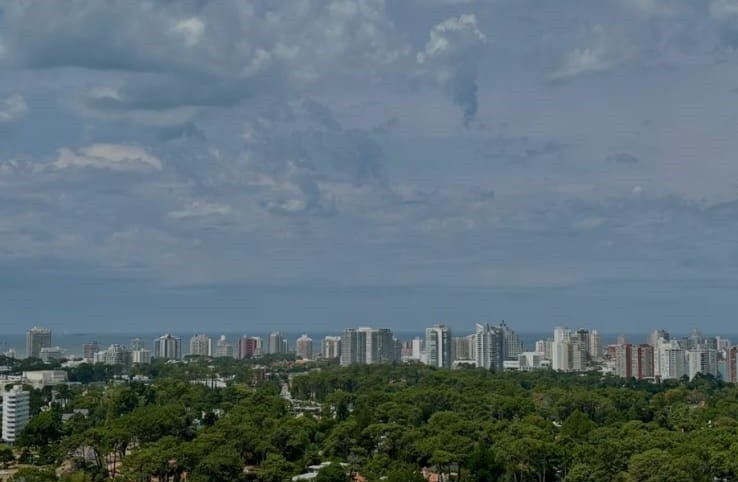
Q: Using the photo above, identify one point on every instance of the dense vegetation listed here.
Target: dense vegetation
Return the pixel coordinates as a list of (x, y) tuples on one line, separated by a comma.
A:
[(385, 421)]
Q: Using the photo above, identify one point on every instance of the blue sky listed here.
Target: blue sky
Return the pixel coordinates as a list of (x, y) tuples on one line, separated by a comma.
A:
[(330, 163)]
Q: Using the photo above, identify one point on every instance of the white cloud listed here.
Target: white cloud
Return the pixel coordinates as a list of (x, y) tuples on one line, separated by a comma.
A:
[(450, 36), (117, 157), (198, 209), (191, 30), (12, 108), (602, 55)]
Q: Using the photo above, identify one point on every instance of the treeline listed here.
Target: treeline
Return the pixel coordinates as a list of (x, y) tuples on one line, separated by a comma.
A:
[(386, 422)]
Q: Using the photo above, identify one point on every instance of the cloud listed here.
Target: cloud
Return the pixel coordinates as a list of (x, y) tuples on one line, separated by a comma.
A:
[(191, 30), (12, 108), (519, 150), (116, 157), (198, 209), (450, 57), (258, 48), (623, 158), (601, 55)]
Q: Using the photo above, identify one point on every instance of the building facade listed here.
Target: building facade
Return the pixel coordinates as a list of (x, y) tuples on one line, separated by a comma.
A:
[(37, 338), (489, 347), (331, 347), (16, 413), (168, 346), (439, 346), (304, 347), (201, 345)]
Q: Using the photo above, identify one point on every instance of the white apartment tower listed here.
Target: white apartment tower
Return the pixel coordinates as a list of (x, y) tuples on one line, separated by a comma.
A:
[(223, 349), (438, 346), (331, 347), (277, 343), (595, 345), (304, 347), (16, 406), (201, 345)]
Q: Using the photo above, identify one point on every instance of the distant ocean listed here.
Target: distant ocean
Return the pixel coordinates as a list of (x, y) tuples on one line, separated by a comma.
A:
[(72, 342)]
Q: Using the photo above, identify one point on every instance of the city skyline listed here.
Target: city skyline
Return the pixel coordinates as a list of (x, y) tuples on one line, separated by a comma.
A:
[(378, 162)]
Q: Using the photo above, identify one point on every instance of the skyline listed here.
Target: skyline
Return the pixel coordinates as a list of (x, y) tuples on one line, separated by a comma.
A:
[(374, 162)]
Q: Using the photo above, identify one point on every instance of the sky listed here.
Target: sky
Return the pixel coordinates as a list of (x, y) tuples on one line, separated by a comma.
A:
[(317, 164)]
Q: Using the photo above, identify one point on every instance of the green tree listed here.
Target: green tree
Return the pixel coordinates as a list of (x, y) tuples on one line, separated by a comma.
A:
[(34, 474), (332, 473), (404, 473), (6, 455), (274, 469)]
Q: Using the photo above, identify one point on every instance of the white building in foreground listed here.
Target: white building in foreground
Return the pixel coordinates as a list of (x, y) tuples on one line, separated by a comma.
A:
[(16, 406)]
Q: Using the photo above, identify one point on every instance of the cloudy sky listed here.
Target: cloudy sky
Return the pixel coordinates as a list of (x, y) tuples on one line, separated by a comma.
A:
[(327, 163)]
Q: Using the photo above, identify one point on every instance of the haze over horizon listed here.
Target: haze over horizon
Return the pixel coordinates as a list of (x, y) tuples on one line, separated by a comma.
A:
[(227, 165)]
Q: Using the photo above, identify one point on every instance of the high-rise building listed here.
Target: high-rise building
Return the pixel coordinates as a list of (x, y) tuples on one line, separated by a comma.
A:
[(489, 346), (353, 347), (277, 343), (560, 352), (49, 353), (89, 350), (672, 360), (114, 355), (249, 347), (366, 345), (304, 347), (438, 346), (417, 349), (695, 340), (656, 335), (16, 412), (141, 356), (731, 360), (512, 346), (168, 346), (37, 338), (331, 347), (595, 345), (643, 361), (462, 348), (201, 345), (138, 344), (223, 348), (702, 360), (624, 360)]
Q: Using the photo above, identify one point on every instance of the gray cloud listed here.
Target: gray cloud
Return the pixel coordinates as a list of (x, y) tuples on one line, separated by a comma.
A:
[(451, 56), (12, 108), (623, 158), (318, 143)]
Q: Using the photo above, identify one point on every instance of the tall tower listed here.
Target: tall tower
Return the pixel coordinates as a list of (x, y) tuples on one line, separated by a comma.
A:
[(353, 347), (331, 347), (512, 346), (16, 403), (438, 346), (489, 343), (595, 345), (201, 345), (276, 343), (223, 349), (168, 346), (37, 338), (248, 347), (304, 347)]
